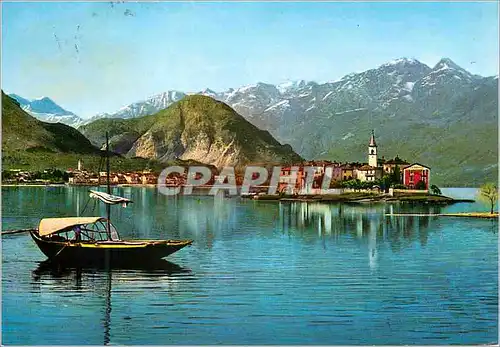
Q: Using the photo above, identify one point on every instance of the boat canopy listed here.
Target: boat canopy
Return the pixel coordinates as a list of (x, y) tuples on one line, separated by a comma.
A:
[(108, 198), (50, 226)]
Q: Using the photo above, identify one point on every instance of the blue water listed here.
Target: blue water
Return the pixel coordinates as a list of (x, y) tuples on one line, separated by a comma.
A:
[(257, 273)]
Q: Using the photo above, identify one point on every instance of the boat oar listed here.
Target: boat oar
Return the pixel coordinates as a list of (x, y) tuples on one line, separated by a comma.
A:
[(18, 231)]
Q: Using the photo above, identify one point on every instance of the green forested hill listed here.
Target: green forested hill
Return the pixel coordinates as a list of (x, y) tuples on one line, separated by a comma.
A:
[(33, 145), (195, 128), (22, 132)]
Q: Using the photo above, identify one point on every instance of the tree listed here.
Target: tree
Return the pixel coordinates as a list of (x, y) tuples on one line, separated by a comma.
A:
[(353, 184), (435, 190), (7, 175), (396, 175), (420, 185), (488, 193), (384, 183)]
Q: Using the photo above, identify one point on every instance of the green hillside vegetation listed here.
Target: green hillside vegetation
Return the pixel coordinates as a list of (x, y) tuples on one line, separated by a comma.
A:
[(197, 127), (459, 141), (33, 145), (22, 132), (120, 131)]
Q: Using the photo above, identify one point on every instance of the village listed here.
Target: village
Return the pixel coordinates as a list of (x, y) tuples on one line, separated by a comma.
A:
[(377, 173)]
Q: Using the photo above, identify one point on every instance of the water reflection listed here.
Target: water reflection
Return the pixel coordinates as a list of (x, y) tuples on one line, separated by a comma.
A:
[(70, 279), (291, 273), (364, 222), (371, 225), (57, 271)]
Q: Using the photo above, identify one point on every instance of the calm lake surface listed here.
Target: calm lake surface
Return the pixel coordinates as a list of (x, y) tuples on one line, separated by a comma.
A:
[(257, 273)]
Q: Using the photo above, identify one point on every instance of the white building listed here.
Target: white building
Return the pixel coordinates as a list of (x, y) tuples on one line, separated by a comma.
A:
[(370, 172)]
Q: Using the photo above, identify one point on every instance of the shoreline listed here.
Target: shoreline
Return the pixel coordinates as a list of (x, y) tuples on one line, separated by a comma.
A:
[(484, 215), (351, 197), (34, 185), (360, 198), (76, 185)]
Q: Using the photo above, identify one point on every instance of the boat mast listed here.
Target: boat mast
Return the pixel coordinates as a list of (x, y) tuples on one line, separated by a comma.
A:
[(108, 207)]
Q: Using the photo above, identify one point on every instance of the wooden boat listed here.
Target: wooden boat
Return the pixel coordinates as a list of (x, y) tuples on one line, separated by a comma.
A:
[(95, 240), (85, 240)]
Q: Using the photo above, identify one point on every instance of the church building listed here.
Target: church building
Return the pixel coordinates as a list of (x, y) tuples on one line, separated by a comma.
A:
[(413, 176), (372, 171)]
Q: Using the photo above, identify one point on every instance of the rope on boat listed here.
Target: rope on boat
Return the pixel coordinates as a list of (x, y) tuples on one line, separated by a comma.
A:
[(18, 231)]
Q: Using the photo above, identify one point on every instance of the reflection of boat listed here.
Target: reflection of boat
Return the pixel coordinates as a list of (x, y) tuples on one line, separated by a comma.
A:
[(59, 269), (64, 271), (95, 240)]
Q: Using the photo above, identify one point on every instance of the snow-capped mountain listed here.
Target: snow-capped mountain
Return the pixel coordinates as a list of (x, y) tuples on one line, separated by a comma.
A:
[(290, 86), (149, 106), (47, 110), (411, 106), (381, 86), (398, 86)]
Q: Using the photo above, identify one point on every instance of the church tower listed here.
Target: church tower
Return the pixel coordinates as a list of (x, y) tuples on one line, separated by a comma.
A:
[(372, 151)]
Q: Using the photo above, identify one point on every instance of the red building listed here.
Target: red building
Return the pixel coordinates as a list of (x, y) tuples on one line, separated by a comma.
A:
[(415, 173)]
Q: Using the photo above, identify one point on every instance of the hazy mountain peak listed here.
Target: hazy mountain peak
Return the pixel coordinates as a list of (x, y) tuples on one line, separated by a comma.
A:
[(19, 99), (44, 99), (47, 105), (46, 109)]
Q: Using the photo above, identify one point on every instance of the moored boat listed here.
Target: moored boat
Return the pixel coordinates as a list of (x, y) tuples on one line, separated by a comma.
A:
[(95, 240), (85, 240)]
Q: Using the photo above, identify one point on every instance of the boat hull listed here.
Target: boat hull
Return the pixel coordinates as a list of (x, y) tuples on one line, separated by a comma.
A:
[(113, 252)]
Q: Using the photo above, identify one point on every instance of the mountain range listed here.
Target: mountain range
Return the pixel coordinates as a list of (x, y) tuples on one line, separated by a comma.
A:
[(442, 116)]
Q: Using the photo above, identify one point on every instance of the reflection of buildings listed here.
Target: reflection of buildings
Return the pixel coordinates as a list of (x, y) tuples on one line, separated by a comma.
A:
[(372, 245), (368, 225)]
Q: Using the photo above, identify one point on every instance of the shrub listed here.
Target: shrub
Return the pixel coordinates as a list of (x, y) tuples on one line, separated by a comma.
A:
[(435, 190), (420, 185)]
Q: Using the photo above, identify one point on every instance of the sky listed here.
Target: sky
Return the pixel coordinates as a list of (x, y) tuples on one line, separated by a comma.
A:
[(93, 57)]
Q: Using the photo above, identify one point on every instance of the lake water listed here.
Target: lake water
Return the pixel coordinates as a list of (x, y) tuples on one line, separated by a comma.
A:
[(257, 273)]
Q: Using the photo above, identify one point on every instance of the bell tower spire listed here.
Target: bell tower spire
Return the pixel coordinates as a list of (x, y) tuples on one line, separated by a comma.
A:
[(372, 151)]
